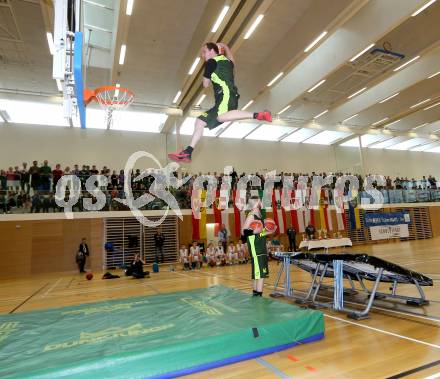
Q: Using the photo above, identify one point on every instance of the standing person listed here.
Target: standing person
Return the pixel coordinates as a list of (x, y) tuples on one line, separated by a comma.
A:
[(223, 237), (57, 173), (159, 240), (219, 70), (46, 174), (24, 178), (81, 256), (291, 235), (257, 247), (34, 173)]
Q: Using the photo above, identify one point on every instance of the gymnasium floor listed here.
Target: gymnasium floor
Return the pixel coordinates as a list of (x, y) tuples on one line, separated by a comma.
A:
[(387, 344)]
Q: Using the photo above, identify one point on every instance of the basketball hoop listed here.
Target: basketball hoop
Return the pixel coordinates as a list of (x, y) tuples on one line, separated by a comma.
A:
[(111, 98)]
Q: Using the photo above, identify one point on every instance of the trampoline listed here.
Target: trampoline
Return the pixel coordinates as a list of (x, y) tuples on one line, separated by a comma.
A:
[(356, 268)]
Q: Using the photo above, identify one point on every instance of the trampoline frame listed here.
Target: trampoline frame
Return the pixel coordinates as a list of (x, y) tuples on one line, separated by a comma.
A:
[(320, 266)]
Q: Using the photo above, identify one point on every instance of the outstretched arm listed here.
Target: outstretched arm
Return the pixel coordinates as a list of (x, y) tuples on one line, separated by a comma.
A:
[(227, 51)]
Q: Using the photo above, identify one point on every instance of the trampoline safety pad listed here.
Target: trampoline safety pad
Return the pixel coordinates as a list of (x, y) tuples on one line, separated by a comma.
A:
[(157, 336)]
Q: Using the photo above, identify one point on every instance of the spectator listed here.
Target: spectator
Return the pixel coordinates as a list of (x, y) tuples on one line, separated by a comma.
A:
[(223, 236), (56, 175), (137, 268), (46, 173), (34, 173), (10, 180), (210, 255), (183, 258), (24, 178), (114, 179), (159, 240), (291, 235), (82, 254), (194, 256), (36, 203), (310, 231), (3, 180)]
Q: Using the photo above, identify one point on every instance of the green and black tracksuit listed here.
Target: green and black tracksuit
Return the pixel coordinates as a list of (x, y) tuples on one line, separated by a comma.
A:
[(258, 251), (220, 70)]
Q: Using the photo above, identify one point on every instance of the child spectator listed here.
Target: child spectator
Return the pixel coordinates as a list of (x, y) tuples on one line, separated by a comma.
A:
[(210, 255), (183, 258), (194, 256)]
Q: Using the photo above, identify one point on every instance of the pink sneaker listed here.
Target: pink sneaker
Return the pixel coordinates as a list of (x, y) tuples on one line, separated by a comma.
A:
[(182, 156), (264, 116)]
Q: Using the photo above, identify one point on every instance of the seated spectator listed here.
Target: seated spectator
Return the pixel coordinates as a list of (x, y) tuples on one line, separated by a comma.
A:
[(36, 203), (231, 256), (220, 257), (210, 255), (194, 256), (310, 232), (4, 206), (183, 258), (137, 268), (240, 249)]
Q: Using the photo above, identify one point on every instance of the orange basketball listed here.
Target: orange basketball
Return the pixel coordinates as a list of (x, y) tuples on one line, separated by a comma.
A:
[(256, 226), (89, 276), (270, 225)]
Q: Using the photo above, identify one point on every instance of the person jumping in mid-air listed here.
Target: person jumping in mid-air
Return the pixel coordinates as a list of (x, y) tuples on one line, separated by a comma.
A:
[(219, 69)]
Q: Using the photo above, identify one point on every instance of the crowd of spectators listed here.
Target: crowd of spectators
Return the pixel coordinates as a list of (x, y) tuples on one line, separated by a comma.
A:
[(32, 189)]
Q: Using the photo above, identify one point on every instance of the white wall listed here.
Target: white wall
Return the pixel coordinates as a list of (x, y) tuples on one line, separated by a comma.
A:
[(68, 146)]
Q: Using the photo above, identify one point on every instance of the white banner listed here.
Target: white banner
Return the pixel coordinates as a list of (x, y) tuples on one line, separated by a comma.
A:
[(389, 231)]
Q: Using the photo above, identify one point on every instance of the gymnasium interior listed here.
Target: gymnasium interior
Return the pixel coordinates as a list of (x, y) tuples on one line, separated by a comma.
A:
[(116, 262)]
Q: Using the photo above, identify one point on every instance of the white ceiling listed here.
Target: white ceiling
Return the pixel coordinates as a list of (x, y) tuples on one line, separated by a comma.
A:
[(163, 37)]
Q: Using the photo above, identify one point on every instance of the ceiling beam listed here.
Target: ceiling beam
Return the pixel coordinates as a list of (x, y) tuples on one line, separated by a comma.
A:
[(337, 50), (396, 82)]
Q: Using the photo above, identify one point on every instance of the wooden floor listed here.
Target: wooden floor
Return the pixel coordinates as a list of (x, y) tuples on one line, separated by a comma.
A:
[(387, 344)]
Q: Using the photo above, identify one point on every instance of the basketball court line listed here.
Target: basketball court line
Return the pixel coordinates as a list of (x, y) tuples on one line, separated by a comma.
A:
[(51, 288), (30, 297), (272, 368), (418, 369), (383, 331)]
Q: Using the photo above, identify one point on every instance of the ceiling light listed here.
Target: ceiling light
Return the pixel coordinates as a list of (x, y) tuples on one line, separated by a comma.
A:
[(407, 63), (422, 102), (380, 121), (275, 79), (284, 109), (50, 42), (247, 105), (362, 52), (348, 119), (220, 19), (431, 106), (319, 38), (253, 26), (357, 92), (177, 97), (316, 86), (201, 99), (129, 9), (122, 54), (388, 98), (59, 85), (429, 3), (420, 126), (433, 75), (319, 115), (194, 65)]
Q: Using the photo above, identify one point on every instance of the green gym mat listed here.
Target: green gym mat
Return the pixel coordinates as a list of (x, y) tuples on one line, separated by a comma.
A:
[(159, 336)]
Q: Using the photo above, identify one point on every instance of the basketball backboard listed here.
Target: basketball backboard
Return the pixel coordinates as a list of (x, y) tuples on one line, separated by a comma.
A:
[(68, 58)]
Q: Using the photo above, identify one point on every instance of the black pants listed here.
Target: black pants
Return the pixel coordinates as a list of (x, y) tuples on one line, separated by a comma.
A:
[(81, 265), (159, 250), (140, 275), (292, 244)]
